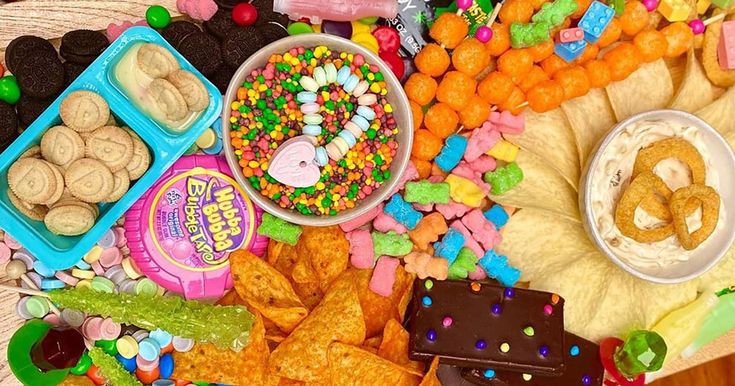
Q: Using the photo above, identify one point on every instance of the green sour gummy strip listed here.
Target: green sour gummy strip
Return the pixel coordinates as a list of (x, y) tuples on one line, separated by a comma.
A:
[(111, 369)]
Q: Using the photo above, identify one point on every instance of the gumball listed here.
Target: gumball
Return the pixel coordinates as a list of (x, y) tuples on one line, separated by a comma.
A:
[(546, 96), (611, 34), (394, 62), (441, 120), (680, 38), (623, 60), (432, 60), (697, 26), (464, 4), (420, 88), (244, 14), (573, 81), (650, 5), (418, 114), (598, 72), (634, 18), (388, 39), (500, 41), (475, 114), (456, 89), (495, 88), (158, 16), (470, 57), (9, 90), (651, 44), (484, 34), (449, 30)]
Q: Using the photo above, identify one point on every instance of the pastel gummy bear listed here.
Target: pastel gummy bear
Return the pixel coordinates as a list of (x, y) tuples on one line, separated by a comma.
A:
[(482, 139), (450, 245), (496, 266), (529, 34), (410, 174), (555, 12), (595, 20), (201, 10), (425, 265), (469, 241), (385, 223), (279, 230), (452, 210), (361, 249), (674, 10), (483, 164), (391, 244), (504, 151), (726, 47), (497, 215), (571, 35), (115, 30), (504, 178), (482, 230), (463, 265), (425, 192), (506, 122), (464, 170), (384, 276), (402, 211), (477, 274), (362, 219), (465, 191), (423, 207), (570, 51), (451, 153), (428, 230)]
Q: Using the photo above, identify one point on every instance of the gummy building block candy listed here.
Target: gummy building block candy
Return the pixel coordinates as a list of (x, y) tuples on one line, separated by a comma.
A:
[(504, 151), (726, 47), (504, 178), (595, 20), (482, 139), (428, 230), (188, 319), (529, 34), (450, 245), (555, 12), (570, 51), (465, 191), (425, 192), (425, 265), (361, 249), (279, 230), (403, 212), (391, 244), (496, 266), (571, 35), (462, 265), (497, 215), (674, 10), (111, 369), (643, 351)]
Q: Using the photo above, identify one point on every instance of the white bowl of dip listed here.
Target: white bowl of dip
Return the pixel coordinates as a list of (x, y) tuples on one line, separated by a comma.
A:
[(607, 174)]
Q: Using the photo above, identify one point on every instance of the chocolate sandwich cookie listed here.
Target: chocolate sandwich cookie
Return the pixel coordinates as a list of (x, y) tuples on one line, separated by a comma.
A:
[(40, 75), (240, 44), (272, 31), (177, 31), (202, 51), (266, 13), (72, 72), (22, 46), (222, 77), (476, 325), (82, 46), (31, 108), (220, 24), (228, 4), (581, 361), (8, 125)]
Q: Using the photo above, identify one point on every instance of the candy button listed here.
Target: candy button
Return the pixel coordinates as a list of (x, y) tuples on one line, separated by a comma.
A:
[(82, 274), (309, 84), (26, 258), (81, 264), (489, 373), (312, 130), (109, 330), (306, 97), (103, 284), (130, 269), (166, 365), (4, 253), (73, 318), (93, 254), (428, 284), (42, 269), (86, 283), (544, 351), (140, 335), (128, 363), (148, 349), (343, 74), (146, 287), (431, 335), (37, 306), (505, 347), (574, 350), (127, 347), (207, 139), (331, 72), (366, 112), (481, 344), (91, 328), (183, 344), (97, 268), (21, 310), (108, 240), (52, 284), (527, 377), (299, 28), (320, 76), (66, 278), (348, 137), (11, 242), (163, 382), (110, 257), (162, 337)]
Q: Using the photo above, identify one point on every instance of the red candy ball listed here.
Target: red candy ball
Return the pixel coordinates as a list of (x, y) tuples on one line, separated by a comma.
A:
[(388, 39), (244, 14), (394, 62)]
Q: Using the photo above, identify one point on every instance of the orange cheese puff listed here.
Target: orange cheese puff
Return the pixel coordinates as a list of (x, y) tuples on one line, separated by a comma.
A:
[(470, 57), (634, 17), (546, 96), (534, 77), (513, 11), (441, 120), (456, 89), (611, 34), (475, 114), (449, 30), (500, 41), (652, 44), (598, 73), (420, 88), (680, 38), (623, 60), (495, 88), (515, 63), (589, 53), (437, 171), (422, 166), (573, 81), (425, 145), (537, 4), (582, 6), (432, 60), (552, 64), (418, 114), (515, 101), (541, 51)]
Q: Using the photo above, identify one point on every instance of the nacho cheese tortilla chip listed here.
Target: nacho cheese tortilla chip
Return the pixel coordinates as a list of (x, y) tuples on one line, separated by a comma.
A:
[(350, 365)]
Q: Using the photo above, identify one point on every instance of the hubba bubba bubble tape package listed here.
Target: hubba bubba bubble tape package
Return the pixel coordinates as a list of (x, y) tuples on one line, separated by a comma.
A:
[(183, 229)]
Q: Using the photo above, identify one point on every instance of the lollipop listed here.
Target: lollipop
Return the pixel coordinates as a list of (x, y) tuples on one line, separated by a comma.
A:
[(500, 41)]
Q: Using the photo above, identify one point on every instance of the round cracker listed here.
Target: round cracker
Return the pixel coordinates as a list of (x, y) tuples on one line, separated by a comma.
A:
[(111, 145), (121, 186), (59, 177), (84, 111), (32, 211), (168, 100), (191, 88), (141, 160), (156, 60), (69, 220), (62, 145), (32, 152), (89, 180), (32, 179)]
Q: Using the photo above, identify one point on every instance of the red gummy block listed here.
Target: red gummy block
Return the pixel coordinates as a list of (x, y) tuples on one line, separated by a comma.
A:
[(571, 35)]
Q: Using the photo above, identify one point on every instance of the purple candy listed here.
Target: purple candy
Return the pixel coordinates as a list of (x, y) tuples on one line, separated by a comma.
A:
[(338, 28)]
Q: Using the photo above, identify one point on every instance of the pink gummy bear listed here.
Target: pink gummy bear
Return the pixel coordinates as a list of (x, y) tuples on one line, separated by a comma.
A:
[(384, 276), (410, 174), (385, 223), (469, 241), (361, 249), (464, 170), (201, 10), (482, 230), (361, 220), (508, 123), (452, 210), (483, 139), (483, 164), (114, 30), (478, 274), (423, 208)]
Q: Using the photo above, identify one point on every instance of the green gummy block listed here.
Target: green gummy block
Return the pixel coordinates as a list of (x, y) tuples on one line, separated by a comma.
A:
[(279, 230), (529, 35), (504, 178), (554, 13), (425, 192), (391, 244), (462, 265)]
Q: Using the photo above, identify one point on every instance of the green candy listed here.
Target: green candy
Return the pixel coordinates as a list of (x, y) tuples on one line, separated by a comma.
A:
[(85, 362), (554, 13), (9, 90), (157, 17), (618, 6), (528, 35), (279, 230), (504, 178), (299, 28), (391, 244), (369, 20), (109, 346), (425, 192), (462, 265), (112, 370), (643, 352)]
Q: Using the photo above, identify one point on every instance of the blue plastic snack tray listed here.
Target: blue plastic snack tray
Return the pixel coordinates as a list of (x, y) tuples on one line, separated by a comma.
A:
[(165, 147)]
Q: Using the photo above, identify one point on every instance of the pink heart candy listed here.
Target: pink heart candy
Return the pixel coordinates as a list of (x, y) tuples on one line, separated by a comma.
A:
[(293, 163)]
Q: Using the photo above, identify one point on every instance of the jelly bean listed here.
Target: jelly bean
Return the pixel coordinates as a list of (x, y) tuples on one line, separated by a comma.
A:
[(158, 16), (299, 28), (337, 28)]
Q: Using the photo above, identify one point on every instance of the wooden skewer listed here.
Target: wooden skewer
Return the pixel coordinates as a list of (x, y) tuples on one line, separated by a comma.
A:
[(22, 290), (715, 19)]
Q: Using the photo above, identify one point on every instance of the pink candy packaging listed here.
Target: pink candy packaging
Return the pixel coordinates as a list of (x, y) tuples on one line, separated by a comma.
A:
[(182, 230)]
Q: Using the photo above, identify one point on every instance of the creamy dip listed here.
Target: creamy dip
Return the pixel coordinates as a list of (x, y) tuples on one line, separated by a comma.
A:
[(612, 176), (135, 83)]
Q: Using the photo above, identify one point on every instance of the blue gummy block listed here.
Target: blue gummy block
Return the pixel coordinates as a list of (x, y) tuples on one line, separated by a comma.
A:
[(595, 20), (451, 153), (497, 215), (450, 245), (129, 364), (403, 212), (570, 51)]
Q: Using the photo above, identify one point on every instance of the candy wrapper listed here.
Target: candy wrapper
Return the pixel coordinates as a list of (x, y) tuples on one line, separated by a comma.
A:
[(413, 21)]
